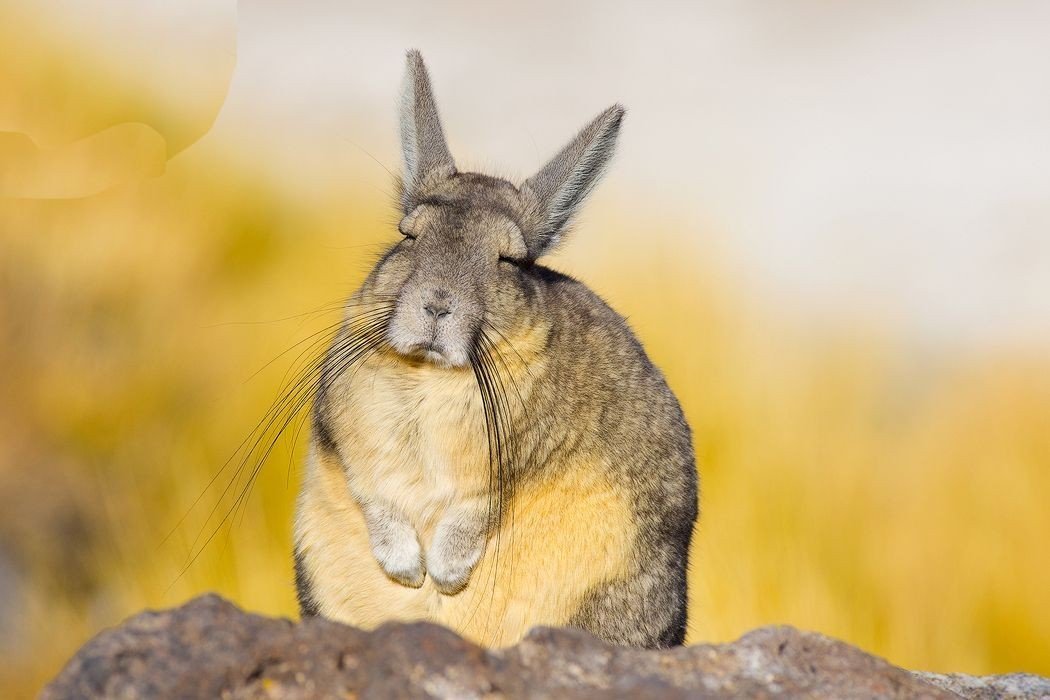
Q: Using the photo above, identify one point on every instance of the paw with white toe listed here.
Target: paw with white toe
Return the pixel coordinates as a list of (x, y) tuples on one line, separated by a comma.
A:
[(395, 545), (457, 547), (402, 560)]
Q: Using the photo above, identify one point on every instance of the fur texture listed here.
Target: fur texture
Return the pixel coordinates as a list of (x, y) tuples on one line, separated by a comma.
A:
[(492, 449)]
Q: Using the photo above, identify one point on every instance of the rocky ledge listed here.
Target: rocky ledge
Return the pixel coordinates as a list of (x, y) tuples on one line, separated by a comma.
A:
[(208, 648)]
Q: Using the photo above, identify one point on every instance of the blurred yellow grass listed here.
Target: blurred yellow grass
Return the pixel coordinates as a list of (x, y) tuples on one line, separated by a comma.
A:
[(851, 484)]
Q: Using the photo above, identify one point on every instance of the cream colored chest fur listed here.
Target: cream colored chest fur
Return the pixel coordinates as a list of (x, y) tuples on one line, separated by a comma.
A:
[(412, 437)]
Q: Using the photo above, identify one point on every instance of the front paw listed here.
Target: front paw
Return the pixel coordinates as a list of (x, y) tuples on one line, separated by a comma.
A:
[(402, 560), (450, 563)]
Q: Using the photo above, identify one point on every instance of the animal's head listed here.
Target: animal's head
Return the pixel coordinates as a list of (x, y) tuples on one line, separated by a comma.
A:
[(470, 239)]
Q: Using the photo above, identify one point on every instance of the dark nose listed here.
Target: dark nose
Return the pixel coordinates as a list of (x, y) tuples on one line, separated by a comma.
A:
[(437, 309)]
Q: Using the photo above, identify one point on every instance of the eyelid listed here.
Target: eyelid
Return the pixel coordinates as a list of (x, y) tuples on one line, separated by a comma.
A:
[(405, 225)]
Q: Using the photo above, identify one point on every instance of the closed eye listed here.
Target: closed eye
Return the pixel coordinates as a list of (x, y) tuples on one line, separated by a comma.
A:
[(512, 261)]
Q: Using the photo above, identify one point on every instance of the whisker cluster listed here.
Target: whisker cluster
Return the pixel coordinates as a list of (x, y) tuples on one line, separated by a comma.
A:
[(352, 340), (499, 434), (357, 336)]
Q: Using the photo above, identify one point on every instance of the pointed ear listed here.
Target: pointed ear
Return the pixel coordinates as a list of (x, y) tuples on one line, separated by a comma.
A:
[(559, 188), (423, 148)]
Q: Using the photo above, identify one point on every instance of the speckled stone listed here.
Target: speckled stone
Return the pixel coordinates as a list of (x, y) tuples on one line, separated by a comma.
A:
[(209, 648)]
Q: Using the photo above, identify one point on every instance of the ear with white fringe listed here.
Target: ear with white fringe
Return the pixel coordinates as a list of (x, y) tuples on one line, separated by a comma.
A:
[(423, 148), (556, 192)]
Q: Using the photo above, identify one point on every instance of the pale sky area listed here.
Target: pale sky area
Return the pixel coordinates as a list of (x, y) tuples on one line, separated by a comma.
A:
[(886, 157)]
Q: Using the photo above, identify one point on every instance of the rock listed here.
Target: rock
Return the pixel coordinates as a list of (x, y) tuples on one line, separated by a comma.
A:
[(1005, 687), (208, 648)]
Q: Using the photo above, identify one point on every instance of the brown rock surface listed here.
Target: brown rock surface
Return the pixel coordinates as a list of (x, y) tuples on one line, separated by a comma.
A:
[(208, 648)]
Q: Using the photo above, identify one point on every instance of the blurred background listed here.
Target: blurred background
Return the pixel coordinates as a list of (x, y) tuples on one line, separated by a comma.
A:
[(829, 222)]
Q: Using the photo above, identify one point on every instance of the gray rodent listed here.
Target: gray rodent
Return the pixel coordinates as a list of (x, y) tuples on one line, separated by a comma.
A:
[(491, 447)]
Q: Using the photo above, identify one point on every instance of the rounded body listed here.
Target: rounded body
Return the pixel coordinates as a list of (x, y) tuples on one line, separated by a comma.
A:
[(568, 460)]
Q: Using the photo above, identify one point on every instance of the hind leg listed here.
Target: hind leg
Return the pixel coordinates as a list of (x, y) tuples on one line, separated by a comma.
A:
[(647, 609), (559, 539)]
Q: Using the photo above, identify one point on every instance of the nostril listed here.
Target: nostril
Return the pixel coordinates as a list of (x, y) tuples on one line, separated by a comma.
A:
[(436, 310)]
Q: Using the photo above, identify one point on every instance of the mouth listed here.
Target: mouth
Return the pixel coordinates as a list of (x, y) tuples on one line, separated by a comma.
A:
[(431, 347), (431, 352)]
